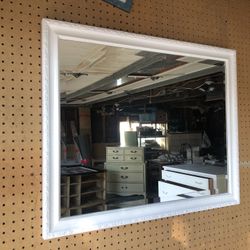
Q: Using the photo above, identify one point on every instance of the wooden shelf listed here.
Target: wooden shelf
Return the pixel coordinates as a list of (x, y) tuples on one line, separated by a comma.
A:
[(90, 181), (83, 193), (92, 191)]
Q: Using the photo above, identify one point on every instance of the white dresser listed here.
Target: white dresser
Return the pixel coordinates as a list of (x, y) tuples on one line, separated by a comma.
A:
[(125, 171), (186, 181)]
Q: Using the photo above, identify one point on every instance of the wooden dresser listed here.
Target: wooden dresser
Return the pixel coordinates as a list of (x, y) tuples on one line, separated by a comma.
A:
[(187, 181), (126, 173)]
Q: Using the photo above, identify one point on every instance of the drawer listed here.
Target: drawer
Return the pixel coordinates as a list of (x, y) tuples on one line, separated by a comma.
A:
[(133, 158), (114, 150), (124, 167), (198, 193), (188, 195), (115, 158), (133, 151), (168, 189), (125, 177), (189, 180), (164, 198), (125, 188)]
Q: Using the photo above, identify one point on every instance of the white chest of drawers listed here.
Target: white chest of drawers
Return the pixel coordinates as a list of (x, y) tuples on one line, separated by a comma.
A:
[(182, 181), (125, 171)]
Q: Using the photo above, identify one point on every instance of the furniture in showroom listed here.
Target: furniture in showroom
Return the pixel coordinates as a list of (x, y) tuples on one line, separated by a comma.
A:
[(125, 176), (191, 180)]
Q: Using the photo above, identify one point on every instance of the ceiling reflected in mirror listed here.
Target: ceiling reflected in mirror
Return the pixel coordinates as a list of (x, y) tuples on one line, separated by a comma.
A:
[(91, 73)]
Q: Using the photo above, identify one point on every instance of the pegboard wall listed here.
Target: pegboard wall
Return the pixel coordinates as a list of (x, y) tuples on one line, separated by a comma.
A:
[(224, 23)]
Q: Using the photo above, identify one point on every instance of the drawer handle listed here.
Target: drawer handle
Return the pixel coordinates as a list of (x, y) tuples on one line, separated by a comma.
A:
[(115, 151), (115, 157), (198, 182), (164, 192), (124, 168), (168, 176), (124, 177), (133, 151), (133, 158), (125, 187)]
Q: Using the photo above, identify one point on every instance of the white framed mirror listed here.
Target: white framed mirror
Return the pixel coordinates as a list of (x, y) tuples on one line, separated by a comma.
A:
[(135, 128)]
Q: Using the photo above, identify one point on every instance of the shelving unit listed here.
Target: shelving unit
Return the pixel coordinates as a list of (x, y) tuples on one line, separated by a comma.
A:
[(152, 130), (83, 193)]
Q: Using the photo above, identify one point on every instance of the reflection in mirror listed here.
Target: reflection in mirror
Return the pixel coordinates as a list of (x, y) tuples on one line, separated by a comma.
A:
[(138, 127), (135, 128)]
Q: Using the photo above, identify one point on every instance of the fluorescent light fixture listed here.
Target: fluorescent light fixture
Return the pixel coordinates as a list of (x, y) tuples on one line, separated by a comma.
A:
[(119, 82)]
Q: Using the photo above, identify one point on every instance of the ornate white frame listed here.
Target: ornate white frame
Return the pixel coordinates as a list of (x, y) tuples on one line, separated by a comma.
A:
[(53, 225)]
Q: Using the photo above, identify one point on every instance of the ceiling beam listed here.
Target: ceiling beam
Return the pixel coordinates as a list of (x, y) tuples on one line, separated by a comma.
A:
[(149, 58)]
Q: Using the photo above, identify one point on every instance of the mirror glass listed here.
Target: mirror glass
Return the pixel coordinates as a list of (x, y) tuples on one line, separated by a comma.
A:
[(138, 127), (135, 128)]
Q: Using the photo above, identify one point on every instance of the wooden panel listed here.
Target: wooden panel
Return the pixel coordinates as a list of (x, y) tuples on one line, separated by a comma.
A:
[(222, 23)]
